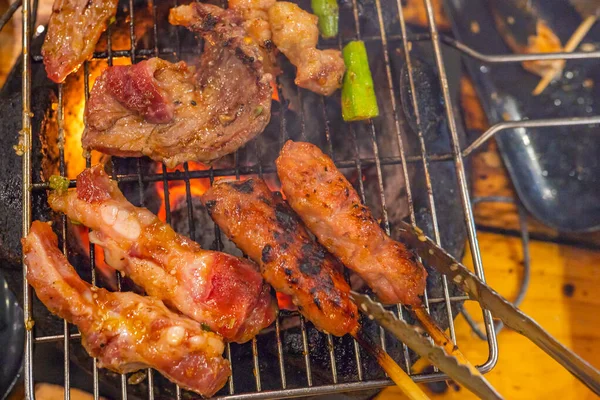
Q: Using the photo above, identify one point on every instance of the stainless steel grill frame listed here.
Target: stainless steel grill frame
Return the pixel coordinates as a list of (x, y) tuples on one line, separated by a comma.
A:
[(457, 155)]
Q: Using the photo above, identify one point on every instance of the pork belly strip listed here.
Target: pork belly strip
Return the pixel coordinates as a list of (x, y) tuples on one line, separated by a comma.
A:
[(199, 283), (331, 209), (264, 227), (124, 331), (176, 113), (73, 31)]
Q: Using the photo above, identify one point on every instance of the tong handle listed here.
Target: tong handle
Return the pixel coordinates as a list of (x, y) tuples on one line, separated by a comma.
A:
[(576, 365), (488, 298)]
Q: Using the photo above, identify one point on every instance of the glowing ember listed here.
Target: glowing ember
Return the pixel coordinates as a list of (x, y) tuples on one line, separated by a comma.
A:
[(275, 94), (177, 188), (284, 302), (74, 106), (273, 183), (107, 272)]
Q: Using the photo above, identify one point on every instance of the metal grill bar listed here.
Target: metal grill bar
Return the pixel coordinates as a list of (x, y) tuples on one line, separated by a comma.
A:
[(357, 163), (91, 247), (25, 138), (462, 180), (406, 45), (61, 149)]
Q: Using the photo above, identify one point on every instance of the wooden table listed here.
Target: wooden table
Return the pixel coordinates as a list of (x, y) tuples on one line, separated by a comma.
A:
[(562, 297)]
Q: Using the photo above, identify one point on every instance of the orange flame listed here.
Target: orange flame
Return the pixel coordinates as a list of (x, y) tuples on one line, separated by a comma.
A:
[(177, 188), (74, 108), (108, 272), (275, 94), (284, 302)]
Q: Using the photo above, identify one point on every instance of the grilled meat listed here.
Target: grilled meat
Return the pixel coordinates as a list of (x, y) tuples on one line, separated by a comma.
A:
[(256, 23), (295, 33), (168, 266), (174, 113), (264, 227), (256, 18), (331, 209), (125, 331), (74, 28)]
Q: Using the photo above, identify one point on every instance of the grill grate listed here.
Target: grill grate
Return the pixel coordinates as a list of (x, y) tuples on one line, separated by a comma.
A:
[(356, 163)]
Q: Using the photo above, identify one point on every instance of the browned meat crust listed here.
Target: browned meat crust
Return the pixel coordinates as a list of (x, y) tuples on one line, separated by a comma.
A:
[(172, 113), (331, 209), (74, 28), (269, 232), (124, 331), (169, 266), (295, 33)]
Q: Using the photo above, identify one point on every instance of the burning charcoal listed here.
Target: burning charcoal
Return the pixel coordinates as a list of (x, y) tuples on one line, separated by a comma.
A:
[(204, 227), (44, 156)]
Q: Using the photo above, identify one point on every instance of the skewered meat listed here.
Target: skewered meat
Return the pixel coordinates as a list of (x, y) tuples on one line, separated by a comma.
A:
[(125, 331), (264, 227), (331, 209), (295, 33), (74, 28), (175, 113), (168, 266)]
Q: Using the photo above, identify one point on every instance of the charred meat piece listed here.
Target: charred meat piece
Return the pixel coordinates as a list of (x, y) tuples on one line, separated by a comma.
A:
[(125, 331), (168, 266), (526, 32), (174, 113), (295, 33), (264, 227), (73, 31), (331, 209)]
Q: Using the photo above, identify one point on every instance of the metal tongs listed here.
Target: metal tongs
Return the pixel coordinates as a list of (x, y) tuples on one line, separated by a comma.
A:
[(489, 299)]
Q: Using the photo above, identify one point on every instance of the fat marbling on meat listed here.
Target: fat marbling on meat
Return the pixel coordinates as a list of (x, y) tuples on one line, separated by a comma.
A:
[(124, 331), (73, 31), (197, 282), (175, 112)]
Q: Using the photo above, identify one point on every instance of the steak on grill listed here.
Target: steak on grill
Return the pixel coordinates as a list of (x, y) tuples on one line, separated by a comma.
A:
[(175, 113), (74, 28)]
